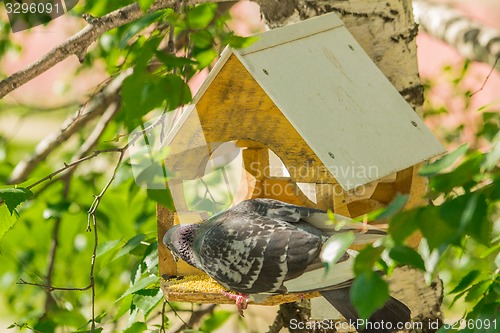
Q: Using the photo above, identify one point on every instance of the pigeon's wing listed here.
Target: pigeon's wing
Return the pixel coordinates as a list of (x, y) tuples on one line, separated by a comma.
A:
[(279, 210), (318, 218), (252, 253)]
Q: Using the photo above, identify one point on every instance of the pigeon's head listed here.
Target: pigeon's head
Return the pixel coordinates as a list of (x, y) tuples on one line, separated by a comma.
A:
[(179, 240)]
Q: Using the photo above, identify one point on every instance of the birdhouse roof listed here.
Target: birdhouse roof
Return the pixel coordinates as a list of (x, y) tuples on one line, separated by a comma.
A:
[(337, 99)]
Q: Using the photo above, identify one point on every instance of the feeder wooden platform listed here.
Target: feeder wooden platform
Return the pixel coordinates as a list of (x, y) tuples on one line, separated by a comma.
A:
[(203, 289)]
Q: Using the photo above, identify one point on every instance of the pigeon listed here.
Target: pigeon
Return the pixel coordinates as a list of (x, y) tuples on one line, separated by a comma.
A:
[(263, 246)]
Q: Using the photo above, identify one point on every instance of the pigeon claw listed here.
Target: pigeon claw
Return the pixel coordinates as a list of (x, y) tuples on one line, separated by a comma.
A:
[(240, 299)]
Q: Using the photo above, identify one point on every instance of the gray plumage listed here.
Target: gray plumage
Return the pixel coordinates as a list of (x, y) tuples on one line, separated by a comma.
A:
[(268, 246)]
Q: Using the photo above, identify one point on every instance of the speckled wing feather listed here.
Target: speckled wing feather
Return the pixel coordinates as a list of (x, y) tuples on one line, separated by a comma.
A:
[(251, 253)]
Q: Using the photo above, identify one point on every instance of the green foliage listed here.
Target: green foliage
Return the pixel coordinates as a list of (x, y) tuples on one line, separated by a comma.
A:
[(369, 283), (215, 321), (335, 247), (459, 234), (458, 227), (13, 197), (145, 4)]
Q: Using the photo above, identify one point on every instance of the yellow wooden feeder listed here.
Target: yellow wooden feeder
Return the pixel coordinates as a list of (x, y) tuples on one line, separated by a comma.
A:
[(309, 94)]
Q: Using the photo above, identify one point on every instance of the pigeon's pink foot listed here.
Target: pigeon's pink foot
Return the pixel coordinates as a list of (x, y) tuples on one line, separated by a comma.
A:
[(240, 299), (302, 296)]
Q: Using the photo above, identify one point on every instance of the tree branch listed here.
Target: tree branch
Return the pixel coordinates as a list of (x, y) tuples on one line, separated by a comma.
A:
[(49, 300), (52, 288), (472, 39), (96, 107), (78, 43)]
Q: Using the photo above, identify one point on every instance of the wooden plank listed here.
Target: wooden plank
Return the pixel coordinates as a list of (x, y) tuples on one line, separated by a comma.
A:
[(286, 190), (236, 108), (204, 294), (166, 262), (255, 168)]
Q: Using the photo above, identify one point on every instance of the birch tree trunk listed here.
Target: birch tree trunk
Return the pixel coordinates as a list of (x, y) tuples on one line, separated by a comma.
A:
[(472, 39), (386, 31)]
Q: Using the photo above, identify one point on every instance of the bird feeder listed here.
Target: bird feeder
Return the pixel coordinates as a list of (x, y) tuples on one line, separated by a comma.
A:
[(307, 96)]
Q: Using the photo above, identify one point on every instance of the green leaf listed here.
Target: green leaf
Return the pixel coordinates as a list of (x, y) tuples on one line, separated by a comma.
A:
[(475, 219), (335, 247), (139, 25), (436, 229), (136, 327), (141, 284), (70, 318), (386, 212), (142, 92), (493, 157), (130, 245), (478, 290), (147, 299), (105, 247), (403, 225), (369, 292), (443, 162), (461, 176), (205, 58), (13, 197), (199, 17), (146, 51), (145, 4), (466, 281), (125, 306), (407, 256), (394, 207), (7, 220), (202, 39), (468, 214), (172, 61), (239, 42), (366, 259), (494, 249), (100, 317), (46, 325), (178, 92), (216, 320)]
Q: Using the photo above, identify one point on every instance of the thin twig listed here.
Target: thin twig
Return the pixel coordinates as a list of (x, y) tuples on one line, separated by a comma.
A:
[(52, 288), (72, 164), (78, 43), (176, 314), (96, 134), (49, 300), (22, 326), (92, 266), (196, 316), (96, 107), (487, 77), (163, 314), (207, 192)]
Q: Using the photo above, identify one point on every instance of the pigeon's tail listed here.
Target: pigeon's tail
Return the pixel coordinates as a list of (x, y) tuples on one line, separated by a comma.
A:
[(390, 318)]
